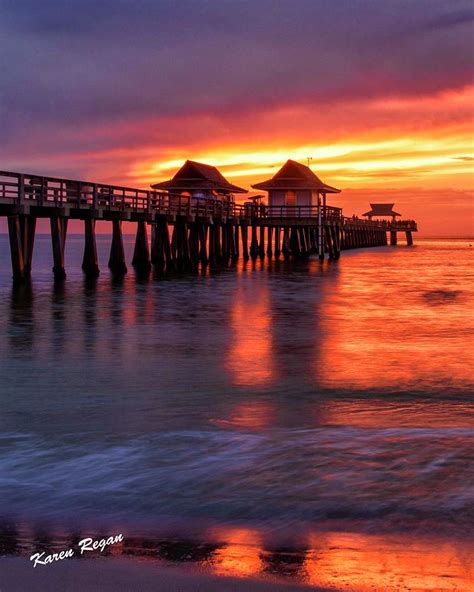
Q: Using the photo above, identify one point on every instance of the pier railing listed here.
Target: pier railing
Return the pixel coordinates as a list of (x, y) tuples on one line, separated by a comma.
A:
[(40, 191), (24, 189), (387, 225), (28, 189)]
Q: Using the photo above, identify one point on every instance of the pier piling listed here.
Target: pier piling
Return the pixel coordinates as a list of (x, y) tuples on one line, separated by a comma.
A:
[(141, 252), (254, 243), (245, 245), (16, 248), (27, 230), (117, 263), (90, 262), (58, 240)]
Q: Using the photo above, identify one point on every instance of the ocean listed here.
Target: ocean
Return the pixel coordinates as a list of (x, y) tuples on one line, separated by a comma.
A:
[(304, 421)]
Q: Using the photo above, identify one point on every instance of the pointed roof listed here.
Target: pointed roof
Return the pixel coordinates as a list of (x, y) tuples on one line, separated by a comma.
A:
[(381, 209), (196, 175), (294, 175)]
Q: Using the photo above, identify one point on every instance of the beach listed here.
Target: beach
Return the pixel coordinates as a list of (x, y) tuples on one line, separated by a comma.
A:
[(98, 576)]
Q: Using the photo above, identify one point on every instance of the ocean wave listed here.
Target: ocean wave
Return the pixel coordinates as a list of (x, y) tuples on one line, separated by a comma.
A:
[(285, 475)]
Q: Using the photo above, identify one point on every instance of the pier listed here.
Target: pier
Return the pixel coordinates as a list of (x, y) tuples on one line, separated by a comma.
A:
[(176, 232)]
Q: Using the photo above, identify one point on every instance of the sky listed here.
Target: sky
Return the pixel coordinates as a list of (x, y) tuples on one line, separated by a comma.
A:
[(380, 94)]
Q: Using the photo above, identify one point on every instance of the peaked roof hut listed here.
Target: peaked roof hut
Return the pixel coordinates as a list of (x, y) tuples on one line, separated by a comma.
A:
[(381, 209), (293, 176), (198, 178), (295, 190)]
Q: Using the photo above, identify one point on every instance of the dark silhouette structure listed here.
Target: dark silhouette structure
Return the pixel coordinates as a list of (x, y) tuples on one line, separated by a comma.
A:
[(381, 210), (200, 180), (298, 192), (195, 221), (385, 210)]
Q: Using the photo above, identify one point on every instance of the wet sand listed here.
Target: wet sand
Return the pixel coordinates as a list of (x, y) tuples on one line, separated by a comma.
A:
[(94, 575)]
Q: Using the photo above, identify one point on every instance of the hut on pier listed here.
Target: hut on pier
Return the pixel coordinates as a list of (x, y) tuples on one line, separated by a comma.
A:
[(196, 179), (381, 210), (295, 187)]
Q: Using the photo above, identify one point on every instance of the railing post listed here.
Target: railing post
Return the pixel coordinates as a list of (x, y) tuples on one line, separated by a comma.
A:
[(320, 235), (95, 199), (42, 191), (21, 189)]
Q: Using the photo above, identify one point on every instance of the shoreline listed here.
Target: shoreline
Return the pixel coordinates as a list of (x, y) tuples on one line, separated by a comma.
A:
[(124, 575)]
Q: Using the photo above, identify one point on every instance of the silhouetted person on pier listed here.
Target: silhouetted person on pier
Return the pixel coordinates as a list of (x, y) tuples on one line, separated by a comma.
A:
[(36, 187)]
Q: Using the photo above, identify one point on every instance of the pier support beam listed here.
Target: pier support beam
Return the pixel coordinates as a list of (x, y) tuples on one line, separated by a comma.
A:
[(261, 245), (21, 230), (218, 243), (27, 229), (58, 241), (329, 242), (245, 244), (194, 244), (277, 242), (295, 242), (254, 243), (336, 241), (157, 247), (269, 242), (212, 244), (141, 252), (286, 242), (202, 235), (90, 262), (236, 242), (225, 243), (215, 252), (234, 255), (117, 263), (180, 247), (16, 248), (393, 238), (409, 236)]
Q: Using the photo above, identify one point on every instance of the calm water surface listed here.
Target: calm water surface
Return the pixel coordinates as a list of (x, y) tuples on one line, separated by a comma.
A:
[(305, 420)]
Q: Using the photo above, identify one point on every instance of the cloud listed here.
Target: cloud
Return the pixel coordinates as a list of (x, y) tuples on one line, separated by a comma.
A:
[(451, 19), (82, 62)]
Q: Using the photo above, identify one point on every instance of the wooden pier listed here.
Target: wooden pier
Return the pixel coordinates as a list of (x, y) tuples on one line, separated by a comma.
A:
[(185, 231)]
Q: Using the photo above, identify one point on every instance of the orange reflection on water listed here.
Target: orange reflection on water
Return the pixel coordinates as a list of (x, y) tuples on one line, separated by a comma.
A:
[(364, 562), (249, 359), (354, 561), (249, 415), (397, 322), (241, 556)]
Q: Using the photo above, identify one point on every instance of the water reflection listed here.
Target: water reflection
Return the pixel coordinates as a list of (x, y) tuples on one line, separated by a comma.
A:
[(21, 333), (59, 319), (8, 538), (249, 359), (89, 314), (359, 561), (241, 555), (372, 562), (394, 334)]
